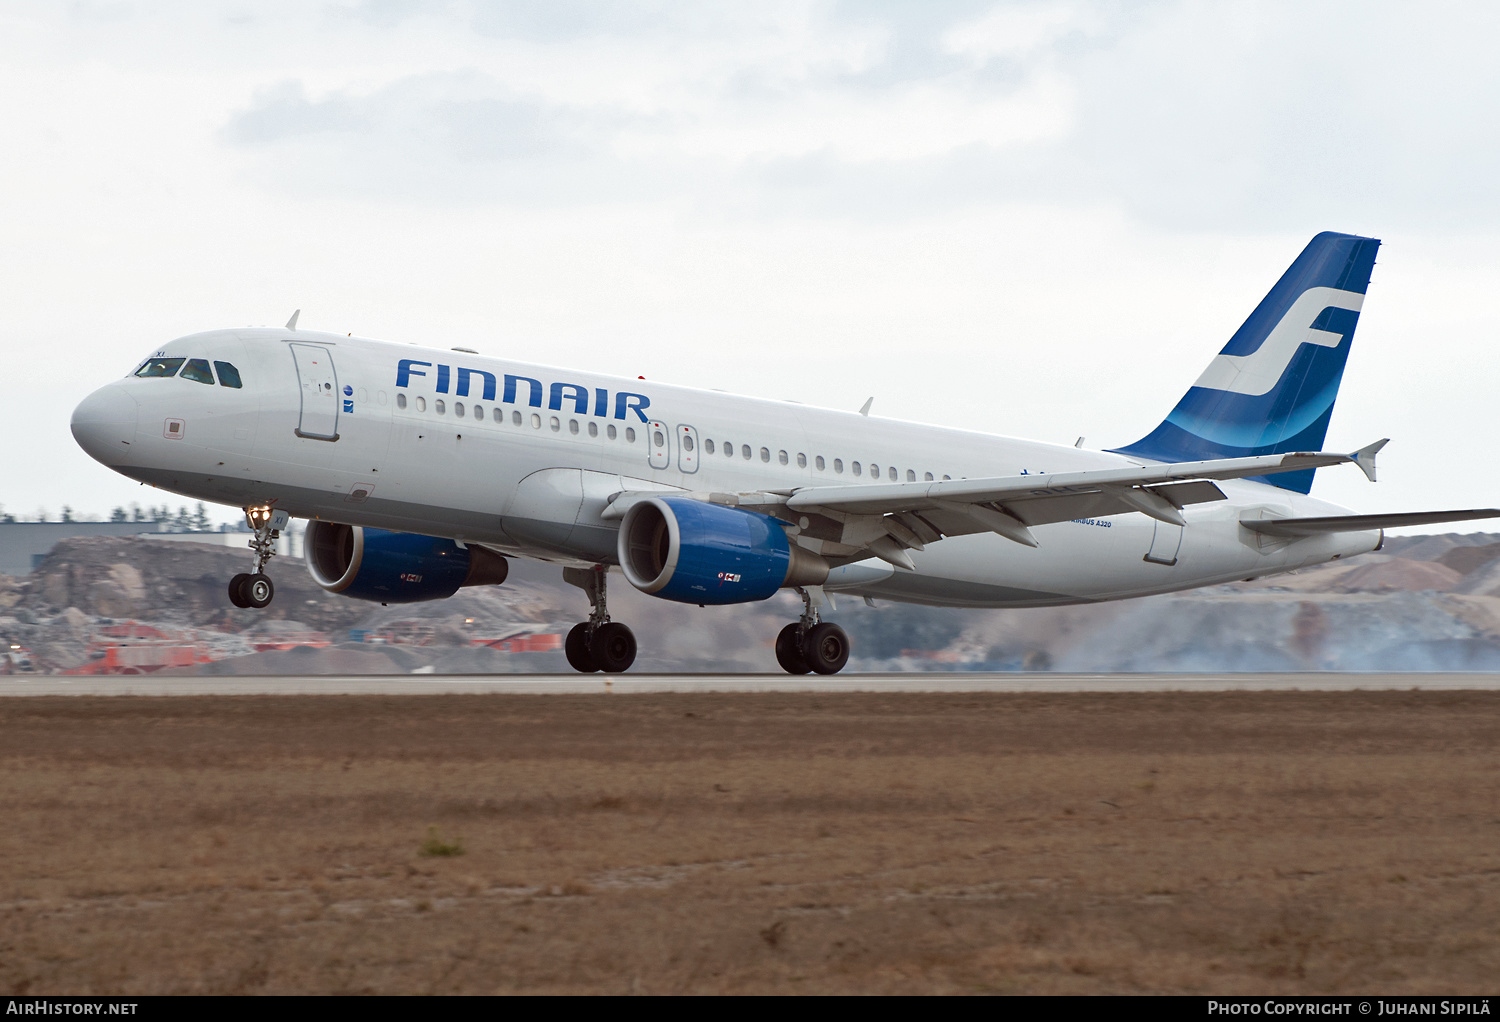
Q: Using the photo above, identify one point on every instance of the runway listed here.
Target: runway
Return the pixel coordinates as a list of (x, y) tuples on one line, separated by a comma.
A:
[(644, 684)]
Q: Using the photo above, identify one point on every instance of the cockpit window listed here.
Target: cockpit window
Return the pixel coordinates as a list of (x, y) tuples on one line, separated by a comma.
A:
[(197, 371), (161, 367), (229, 376)]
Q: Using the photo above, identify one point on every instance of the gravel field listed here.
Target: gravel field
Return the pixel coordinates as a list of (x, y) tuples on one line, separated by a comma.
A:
[(1269, 842)]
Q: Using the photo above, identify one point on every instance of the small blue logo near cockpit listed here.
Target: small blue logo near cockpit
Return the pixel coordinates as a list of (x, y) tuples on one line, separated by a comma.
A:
[(348, 390), (348, 398)]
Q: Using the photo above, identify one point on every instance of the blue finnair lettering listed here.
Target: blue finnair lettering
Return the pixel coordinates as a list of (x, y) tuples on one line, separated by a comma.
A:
[(578, 395), (463, 382), (404, 371), (536, 389), (557, 393), (637, 403)]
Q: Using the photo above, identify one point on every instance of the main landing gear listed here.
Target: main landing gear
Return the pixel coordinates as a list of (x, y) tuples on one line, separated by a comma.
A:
[(808, 645), (255, 589), (597, 644)]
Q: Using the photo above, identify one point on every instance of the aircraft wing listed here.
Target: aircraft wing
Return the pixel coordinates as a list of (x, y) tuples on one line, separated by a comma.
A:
[(887, 519), (1010, 504), (1293, 527)]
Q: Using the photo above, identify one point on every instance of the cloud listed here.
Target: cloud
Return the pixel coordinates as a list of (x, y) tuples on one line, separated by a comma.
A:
[(729, 121), (1251, 115)]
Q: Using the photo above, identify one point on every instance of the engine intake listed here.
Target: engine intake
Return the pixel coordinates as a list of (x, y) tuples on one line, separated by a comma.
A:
[(692, 552), (395, 567)]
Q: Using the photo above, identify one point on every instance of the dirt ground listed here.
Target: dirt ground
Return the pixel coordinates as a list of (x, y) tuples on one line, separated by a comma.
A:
[(1235, 842)]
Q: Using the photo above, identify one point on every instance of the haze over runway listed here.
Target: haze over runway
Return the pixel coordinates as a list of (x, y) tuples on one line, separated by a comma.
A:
[(810, 201), (647, 684)]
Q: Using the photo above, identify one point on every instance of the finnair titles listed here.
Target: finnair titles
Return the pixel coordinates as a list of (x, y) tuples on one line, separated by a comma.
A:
[(423, 470)]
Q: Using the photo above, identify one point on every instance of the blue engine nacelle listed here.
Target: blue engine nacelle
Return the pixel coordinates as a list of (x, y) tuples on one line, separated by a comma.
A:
[(685, 550), (395, 567)]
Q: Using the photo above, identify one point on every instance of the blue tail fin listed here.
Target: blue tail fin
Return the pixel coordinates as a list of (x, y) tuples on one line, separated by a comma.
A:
[(1272, 388)]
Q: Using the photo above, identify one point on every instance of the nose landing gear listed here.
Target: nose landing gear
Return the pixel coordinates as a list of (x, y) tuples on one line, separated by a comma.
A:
[(597, 644), (808, 644), (255, 590)]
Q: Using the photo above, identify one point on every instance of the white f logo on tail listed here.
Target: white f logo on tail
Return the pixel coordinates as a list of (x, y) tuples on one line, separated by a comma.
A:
[(1256, 373)]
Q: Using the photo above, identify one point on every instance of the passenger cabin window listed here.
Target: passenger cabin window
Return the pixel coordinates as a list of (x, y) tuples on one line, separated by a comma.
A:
[(629, 435), (818, 461), (229, 376), (610, 432), (515, 418), (854, 467), (479, 412), (421, 404), (708, 447), (573, 426), (593, 429), (161, 367), (401, 401), (781, 457), (765, 454), (745, 451), (927, 476), (458, 409), (439, 407), (801, 461), (838, 465), (892, 473)]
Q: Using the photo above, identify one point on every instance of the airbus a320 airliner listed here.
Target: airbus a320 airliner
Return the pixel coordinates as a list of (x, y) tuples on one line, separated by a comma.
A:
[(423, 469)]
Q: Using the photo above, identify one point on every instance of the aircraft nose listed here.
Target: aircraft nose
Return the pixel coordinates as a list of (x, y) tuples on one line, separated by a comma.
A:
[(104, 424)]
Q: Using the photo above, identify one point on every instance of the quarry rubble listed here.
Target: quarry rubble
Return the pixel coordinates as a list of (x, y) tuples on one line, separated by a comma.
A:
[(1423, 603)]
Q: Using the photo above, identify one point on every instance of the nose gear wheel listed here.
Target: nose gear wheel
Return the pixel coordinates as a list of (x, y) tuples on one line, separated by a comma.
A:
[(255, 589)]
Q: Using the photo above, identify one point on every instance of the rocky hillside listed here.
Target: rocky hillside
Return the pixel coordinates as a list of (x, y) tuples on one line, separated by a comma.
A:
[(1424, 603)]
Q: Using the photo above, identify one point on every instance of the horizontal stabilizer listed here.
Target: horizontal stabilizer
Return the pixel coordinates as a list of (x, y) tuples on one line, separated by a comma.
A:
[(1362, 523)]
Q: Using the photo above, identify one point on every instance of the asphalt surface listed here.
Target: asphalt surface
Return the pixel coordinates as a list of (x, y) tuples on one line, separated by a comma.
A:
[(541, 684)]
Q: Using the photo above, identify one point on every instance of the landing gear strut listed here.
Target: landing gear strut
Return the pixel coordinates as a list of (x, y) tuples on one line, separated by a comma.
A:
[(597, 644), (254, 589), (808, 644)]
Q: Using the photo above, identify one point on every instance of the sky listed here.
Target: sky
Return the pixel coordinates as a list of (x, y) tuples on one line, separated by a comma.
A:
[(1036, 219)]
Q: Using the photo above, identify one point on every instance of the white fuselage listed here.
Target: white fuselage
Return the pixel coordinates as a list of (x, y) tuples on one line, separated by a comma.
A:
[(533, 474)]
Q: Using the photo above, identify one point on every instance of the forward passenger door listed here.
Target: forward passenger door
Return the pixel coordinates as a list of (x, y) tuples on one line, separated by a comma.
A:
[(319, 386)]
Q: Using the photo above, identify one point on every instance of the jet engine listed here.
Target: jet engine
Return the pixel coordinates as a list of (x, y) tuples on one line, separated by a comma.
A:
[(691, 552), (396, 567)]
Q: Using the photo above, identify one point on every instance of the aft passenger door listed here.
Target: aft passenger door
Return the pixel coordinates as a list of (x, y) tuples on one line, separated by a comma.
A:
[(1165, 542), (319, 418)]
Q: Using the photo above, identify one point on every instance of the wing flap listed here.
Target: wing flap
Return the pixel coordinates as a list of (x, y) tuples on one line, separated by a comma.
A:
[(1300, 527), (884, 498)]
